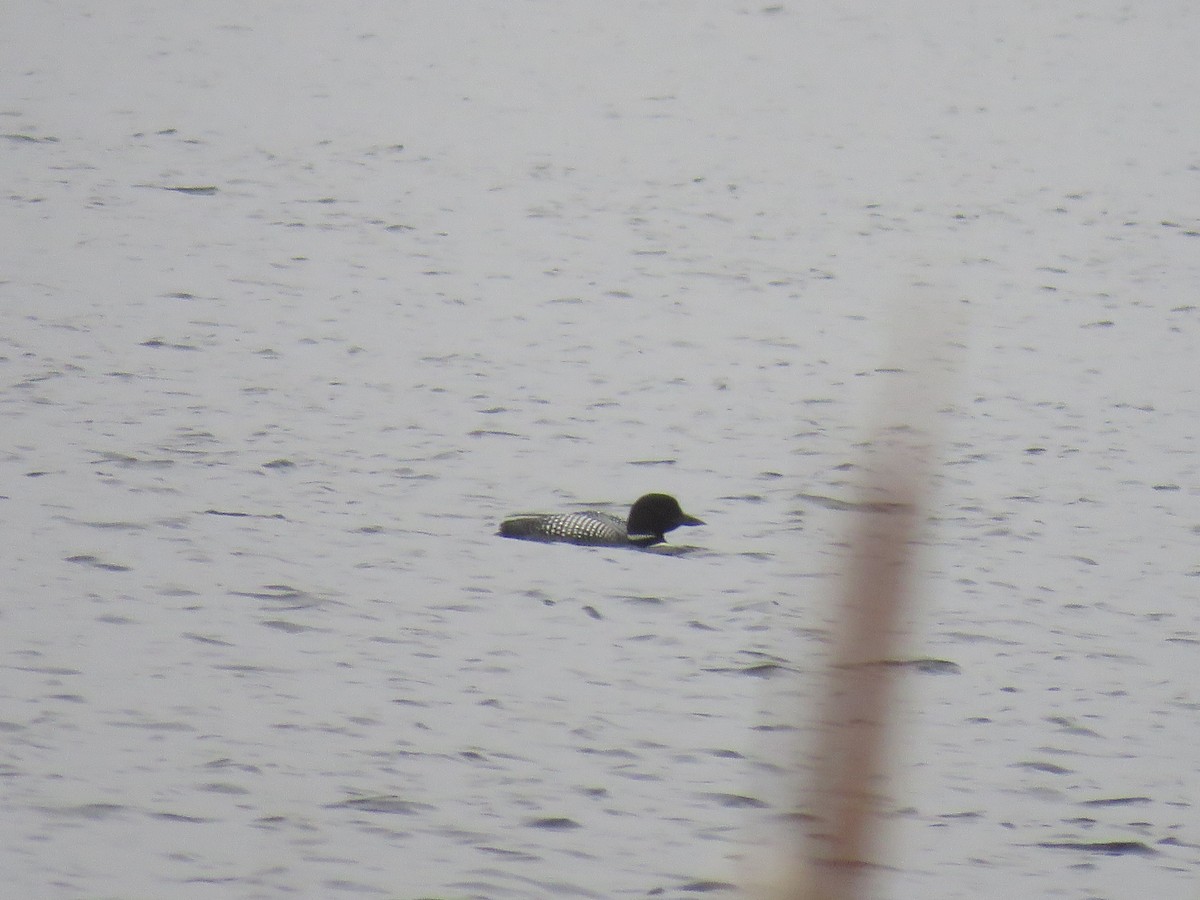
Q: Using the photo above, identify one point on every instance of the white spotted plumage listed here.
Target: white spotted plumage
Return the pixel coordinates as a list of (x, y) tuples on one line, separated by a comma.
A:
[(582, 526)]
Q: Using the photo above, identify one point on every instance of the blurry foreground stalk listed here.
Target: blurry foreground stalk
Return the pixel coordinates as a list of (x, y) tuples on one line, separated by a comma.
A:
[(843, 803)]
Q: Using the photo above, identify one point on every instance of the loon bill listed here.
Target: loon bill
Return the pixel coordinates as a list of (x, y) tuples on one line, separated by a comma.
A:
[(650, 518)]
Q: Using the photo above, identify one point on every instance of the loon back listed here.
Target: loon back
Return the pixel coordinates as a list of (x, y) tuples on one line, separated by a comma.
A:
[(574, 528), (650, 518)]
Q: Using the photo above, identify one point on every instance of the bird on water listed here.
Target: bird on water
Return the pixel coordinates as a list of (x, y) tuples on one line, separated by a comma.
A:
[(650, 518)]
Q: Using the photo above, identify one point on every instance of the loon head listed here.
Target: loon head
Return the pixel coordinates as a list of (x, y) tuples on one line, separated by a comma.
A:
[(653, 515)]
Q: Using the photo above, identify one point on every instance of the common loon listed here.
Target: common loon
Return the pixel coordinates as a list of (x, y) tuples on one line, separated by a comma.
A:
[(650, 518)]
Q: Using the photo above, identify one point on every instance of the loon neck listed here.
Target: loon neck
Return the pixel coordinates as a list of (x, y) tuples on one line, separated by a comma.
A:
[(646, 540)]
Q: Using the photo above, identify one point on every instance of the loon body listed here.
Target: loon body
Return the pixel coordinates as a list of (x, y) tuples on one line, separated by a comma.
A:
[(650, 518)]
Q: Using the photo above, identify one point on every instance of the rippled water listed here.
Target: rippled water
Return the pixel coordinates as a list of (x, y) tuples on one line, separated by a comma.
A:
[(299, 300)]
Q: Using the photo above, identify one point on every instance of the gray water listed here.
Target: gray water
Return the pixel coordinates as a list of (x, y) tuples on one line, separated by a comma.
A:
[(299, 300)]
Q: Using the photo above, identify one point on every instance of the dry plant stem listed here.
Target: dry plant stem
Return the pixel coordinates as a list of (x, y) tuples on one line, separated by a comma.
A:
[(850, 755), (834, 862)]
